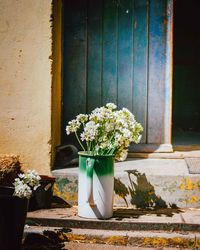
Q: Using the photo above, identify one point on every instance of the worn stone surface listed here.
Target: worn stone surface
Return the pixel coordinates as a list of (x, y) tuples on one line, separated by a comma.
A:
[(179, 153), (119, 239), (81, 246), (123, 219), (156, 229), (153, 183)]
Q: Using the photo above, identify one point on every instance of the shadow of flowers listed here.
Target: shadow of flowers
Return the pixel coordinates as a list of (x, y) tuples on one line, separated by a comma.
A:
[(142, 193)]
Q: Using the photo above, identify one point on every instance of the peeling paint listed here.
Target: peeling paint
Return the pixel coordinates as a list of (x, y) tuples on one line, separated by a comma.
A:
[(66, 189)]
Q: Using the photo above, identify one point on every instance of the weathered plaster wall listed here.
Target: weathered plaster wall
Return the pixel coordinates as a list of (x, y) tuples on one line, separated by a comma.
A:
[(25, 81)]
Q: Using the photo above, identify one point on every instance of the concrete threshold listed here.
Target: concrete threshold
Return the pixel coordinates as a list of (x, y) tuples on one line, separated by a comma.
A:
[(178, 153), (172, 167)]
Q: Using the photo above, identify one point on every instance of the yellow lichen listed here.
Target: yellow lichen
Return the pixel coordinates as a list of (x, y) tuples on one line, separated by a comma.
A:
[(117, 240), (193, 199), (70, 196), (67, 196), (155, 241), (76, 237), (190, 187), (56, 191), (187, 184), (176, 241), (124, 240)]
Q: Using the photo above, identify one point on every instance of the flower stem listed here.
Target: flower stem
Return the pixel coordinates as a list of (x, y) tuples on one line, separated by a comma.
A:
[(79, 141)]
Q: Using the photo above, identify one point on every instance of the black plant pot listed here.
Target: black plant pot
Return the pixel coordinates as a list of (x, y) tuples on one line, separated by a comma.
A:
[(13, 212), (42, 197)]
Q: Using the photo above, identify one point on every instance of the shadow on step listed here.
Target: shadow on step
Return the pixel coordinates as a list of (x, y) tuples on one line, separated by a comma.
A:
[(122, 213), (142, 196)]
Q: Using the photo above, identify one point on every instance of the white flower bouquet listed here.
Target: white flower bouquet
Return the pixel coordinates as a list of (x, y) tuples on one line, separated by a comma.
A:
[(26, 183), (106, 131)]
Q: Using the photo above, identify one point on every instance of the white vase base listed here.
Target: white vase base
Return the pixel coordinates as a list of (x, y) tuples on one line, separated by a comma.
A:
[(86, 211)]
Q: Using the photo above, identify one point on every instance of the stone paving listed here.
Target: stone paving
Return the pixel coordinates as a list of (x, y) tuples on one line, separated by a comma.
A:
[(84, 246), (127, 229), (175, 224), (123, 217)]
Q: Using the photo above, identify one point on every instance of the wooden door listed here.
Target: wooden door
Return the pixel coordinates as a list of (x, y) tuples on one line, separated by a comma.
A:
[(116, 51)]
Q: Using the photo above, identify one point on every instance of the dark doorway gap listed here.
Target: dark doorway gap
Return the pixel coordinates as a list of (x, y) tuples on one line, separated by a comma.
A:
[(186, 80)]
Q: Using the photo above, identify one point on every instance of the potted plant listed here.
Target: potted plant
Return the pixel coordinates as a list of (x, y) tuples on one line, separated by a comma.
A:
[(43, 195), (104, 135), (16, 188)]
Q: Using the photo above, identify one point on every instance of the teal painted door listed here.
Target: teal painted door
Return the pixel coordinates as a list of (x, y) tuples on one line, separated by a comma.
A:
[(114, 51)]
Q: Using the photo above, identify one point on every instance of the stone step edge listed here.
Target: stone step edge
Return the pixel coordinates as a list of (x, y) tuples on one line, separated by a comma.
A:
[(123, 238), (180, 153), (109, 225)]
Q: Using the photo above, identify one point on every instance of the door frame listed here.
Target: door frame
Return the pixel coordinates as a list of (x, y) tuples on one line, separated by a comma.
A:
[(56, 94)]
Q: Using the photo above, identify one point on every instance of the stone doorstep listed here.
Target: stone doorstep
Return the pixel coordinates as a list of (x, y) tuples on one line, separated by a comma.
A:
[(87, 246), (122, 238), (123, 219), (159, 228), (168, 178)]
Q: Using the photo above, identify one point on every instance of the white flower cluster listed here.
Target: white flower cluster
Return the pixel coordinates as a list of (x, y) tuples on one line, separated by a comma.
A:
[(26, 183), (107, 131)]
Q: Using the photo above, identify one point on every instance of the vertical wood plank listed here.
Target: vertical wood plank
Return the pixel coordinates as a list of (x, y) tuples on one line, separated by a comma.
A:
[(74, 59), (126, 60), (94, 69), (157, 71), (140, 63), (109, 74), (125, 54)]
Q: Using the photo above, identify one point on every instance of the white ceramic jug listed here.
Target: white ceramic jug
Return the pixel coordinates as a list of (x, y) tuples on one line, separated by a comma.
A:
[(95, 186)]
